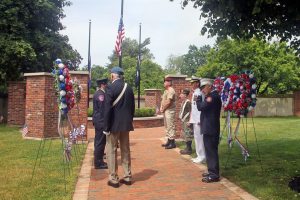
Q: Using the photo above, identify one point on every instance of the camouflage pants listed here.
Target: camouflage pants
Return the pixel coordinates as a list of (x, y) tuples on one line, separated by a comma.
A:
[(187, 131)]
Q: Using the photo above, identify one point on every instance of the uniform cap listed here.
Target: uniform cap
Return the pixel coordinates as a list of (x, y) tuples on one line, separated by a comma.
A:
[(117, 70), (194, 79), (102, 81), (206, 81), (185, 91)]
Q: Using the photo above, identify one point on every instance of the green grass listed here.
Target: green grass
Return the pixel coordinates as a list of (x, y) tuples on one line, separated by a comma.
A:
[(278, 141), (17, 160)]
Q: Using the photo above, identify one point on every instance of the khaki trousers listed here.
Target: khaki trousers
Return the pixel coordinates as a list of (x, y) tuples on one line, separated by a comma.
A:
[(112, 142), (170, 124)]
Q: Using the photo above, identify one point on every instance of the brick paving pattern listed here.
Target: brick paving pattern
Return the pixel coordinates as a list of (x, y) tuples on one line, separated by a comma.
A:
[(160, 174)]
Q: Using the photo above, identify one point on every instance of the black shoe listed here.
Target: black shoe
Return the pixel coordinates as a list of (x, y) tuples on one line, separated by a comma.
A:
[(125, 182), (102, 165), (210, 179), (167, 143), (172, 145), (115, 185), (205, 174), (185, 152)]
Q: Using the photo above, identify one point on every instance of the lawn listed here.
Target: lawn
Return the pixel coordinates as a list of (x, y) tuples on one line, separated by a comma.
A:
[(278, 141), (17, 159)]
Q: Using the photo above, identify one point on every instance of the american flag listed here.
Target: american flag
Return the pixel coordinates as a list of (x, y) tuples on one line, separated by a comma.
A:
[(120, 37), (24, 130)]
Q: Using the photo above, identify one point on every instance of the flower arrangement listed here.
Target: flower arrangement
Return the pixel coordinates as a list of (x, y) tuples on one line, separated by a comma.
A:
[(238, 92), (63, 86)]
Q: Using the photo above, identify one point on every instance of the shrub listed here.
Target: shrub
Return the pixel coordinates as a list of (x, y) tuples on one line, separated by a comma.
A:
[(144, 112), (90, 112)]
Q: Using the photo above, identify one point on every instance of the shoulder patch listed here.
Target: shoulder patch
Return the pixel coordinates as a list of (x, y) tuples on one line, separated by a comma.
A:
[(101, 97), (209, 99)]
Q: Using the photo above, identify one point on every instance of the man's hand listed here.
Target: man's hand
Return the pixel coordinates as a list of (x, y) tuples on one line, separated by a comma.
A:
[(106, 133)]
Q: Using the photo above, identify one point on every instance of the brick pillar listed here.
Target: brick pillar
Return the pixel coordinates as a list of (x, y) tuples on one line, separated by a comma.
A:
[(16, 103), (153, 98), (41, 105), (41, 114), (297, 103)]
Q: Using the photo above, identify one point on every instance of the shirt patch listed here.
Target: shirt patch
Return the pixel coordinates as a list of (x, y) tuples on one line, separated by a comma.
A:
[(101, 97), (208, 99)]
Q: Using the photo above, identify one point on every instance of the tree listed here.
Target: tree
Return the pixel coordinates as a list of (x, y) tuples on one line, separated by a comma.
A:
[(188, 63), (248, 18), (275, 65), (30, 39), (130, 47), (151, 73), (194, 58)]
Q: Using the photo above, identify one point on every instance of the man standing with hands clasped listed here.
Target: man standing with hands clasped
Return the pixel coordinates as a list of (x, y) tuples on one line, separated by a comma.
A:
[(98, 120), (210, 108), (118, 117)]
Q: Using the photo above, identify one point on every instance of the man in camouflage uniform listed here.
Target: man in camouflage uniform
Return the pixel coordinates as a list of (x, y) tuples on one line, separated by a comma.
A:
[(168, 107), (184, 116)]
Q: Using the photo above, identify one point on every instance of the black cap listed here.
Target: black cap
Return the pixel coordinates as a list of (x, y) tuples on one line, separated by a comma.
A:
[(102, 81)]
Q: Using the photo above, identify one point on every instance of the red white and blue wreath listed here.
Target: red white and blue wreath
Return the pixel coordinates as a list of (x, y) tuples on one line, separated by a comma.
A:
[(238, 96), (68, 94)]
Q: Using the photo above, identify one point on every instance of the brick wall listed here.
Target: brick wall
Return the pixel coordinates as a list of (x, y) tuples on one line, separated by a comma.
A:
[(297, 103), (153, 98), (16, 103)]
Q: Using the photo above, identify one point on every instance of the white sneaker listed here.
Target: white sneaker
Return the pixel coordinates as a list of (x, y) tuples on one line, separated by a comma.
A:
[(196, 160)]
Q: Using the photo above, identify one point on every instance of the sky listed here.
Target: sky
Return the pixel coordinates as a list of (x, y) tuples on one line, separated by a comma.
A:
[(171, 29)]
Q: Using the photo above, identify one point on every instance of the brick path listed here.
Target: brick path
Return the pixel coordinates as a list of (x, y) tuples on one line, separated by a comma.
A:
[(159, 174)]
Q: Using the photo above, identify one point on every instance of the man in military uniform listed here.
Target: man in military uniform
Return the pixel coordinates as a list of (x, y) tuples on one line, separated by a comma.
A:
[(98, 119), (210, 108), (195, 121), (168, 107), (184, 116)]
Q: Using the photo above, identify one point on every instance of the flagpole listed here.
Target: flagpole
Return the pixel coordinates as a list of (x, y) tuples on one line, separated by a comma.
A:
[(120, 57), (139, 67), (89, 64)]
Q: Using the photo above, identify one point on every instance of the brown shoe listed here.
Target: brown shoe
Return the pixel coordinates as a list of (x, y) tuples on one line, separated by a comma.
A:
[(125, 182), (115, 185)]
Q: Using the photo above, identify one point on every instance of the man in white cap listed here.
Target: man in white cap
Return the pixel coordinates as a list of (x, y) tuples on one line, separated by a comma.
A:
[(210, 108), (195, 121)]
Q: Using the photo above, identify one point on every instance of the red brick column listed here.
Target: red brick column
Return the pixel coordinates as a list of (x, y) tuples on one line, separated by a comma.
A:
[(79, 114), (41, 105), (152, 98), (297, 103), (41, 114), (16, 103)]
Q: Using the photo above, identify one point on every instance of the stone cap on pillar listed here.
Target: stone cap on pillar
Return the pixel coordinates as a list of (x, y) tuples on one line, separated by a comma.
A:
[(49, 74)]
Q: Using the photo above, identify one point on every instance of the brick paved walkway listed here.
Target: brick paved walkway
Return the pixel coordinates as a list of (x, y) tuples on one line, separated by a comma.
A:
[(159, 174)]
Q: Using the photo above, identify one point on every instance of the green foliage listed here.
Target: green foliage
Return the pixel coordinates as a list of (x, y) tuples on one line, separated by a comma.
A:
[(275, 66), (17, 159), (90, 112), (278, 142), (30, 39), (151, 73), (144, 112), (248, 18), (188, 64)]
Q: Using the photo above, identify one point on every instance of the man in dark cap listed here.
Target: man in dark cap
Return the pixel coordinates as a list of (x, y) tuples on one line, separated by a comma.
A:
[(210, 108), (118, 118), (98, 120)]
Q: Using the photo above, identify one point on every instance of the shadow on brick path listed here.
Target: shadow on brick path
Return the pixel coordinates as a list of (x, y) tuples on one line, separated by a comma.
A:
[(157, 174)]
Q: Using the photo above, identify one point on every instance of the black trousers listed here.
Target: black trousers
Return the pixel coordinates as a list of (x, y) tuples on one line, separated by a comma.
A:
[(211, 144), (99, 146)]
